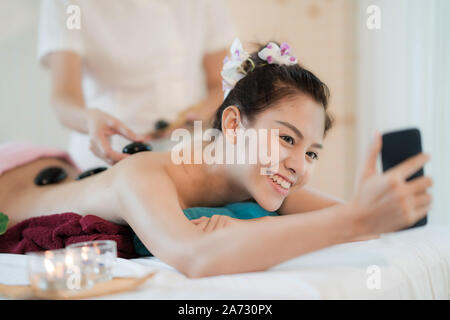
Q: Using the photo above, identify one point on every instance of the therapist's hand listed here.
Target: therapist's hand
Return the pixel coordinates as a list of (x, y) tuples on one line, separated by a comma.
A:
[(101, 126)]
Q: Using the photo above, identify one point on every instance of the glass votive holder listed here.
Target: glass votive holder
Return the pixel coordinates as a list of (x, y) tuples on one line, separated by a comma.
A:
[(55, 271), (95, 258)]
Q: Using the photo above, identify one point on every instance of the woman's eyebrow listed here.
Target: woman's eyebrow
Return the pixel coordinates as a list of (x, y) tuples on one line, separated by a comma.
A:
[(298, 133)]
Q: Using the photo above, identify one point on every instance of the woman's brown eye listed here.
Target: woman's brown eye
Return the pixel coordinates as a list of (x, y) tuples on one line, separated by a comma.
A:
[(314, 156), (288, 139)]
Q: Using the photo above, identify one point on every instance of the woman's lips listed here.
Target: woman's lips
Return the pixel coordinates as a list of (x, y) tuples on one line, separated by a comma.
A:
[(284, 192)]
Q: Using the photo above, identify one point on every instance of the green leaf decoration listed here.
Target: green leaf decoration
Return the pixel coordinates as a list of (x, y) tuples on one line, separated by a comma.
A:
[(3, 223)]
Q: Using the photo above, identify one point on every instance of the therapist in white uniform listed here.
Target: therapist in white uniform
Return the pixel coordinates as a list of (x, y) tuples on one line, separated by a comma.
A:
[(129, 64)]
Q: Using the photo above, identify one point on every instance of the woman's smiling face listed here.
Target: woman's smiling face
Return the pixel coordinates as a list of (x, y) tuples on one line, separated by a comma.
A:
[(300, 121)]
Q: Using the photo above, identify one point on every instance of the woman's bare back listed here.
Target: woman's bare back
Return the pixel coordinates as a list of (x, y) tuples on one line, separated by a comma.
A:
[(21, 199), (17, 187)]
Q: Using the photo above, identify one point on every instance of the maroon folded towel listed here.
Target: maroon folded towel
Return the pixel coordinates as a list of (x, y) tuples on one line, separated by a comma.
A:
[(57, 231)]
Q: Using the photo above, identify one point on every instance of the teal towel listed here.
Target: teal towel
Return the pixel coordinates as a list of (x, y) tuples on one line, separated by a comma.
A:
[(238, 210)]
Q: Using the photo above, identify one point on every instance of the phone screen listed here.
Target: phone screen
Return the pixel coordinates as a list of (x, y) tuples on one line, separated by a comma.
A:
[(399, 146)]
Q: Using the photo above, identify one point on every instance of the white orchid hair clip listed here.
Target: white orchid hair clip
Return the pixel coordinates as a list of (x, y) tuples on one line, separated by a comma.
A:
[(232, 70), (272, 53)]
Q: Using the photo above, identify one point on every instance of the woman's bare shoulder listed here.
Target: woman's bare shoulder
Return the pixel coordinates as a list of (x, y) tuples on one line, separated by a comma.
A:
[(154, 175), (146, 171), (143, 163), (144, 180)]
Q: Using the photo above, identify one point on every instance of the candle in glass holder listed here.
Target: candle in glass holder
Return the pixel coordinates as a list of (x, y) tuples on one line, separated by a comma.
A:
[(96, 259), (77, 267), (56, 270), (47, 270)]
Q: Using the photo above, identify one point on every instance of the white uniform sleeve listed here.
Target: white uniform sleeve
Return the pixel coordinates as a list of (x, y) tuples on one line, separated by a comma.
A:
[(54, 34), (220, 30)]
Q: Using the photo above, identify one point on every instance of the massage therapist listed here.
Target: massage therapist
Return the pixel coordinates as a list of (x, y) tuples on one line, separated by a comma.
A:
[(129, 65)]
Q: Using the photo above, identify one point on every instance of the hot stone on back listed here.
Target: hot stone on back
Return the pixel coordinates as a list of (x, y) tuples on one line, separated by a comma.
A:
[(161, 124), (90, 172), (50, 175), (136, 147)]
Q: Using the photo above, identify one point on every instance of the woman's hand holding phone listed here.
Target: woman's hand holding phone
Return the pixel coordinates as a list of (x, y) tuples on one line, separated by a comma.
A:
[(387, 202)]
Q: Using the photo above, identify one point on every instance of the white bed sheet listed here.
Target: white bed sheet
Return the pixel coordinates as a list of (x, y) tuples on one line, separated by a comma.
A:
[(413, 264)]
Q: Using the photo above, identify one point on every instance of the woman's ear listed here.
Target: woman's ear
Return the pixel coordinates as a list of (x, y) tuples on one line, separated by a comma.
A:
[(231, 119)]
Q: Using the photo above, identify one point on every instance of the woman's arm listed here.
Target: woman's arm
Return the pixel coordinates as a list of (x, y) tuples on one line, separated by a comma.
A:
[(148, 202), (68, 102), (267, 242), (256, 246), (67, 94), (383, 203), (307, 199), (212, 64)]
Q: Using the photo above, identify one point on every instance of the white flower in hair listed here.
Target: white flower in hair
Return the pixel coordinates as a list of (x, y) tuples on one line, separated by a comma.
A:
[(232, 66), (272, 53), (231, 71)]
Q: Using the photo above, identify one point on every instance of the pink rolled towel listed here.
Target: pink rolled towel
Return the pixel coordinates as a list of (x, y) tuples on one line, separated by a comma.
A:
[(13, 155)]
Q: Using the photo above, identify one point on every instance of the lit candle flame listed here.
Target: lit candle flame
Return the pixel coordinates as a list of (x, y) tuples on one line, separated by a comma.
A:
[(49, 266)]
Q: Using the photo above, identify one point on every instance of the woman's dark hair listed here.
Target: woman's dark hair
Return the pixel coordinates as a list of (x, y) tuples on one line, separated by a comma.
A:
[(265, 84)]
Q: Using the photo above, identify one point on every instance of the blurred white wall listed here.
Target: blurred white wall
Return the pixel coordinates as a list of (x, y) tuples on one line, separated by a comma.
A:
[(25, 113), (404, 80)]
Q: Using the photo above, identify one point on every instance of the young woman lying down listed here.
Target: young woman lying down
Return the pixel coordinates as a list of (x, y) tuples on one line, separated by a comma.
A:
[(148, 191)]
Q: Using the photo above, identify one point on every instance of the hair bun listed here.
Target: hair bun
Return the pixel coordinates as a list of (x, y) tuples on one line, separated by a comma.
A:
[(247, 66)]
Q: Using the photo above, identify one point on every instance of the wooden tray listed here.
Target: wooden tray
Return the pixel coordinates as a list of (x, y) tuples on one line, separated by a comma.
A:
[(115, 285)]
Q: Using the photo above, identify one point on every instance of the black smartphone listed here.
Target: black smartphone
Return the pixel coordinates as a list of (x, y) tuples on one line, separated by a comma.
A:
[(399, 146)]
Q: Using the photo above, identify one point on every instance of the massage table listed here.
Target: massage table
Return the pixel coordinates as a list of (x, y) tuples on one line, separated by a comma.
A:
[(410, 264)]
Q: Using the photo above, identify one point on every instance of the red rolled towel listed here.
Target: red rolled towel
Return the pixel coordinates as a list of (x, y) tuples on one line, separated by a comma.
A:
[(57, 231)]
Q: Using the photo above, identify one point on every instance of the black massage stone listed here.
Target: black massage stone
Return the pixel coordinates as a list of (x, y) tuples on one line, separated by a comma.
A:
[(161, 124), (90, 172), (50, 175), (136, 147)]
